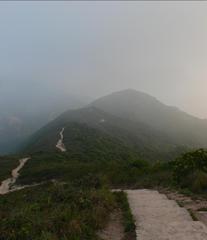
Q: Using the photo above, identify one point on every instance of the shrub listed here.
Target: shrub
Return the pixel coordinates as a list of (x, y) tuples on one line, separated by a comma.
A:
[(190, 170)]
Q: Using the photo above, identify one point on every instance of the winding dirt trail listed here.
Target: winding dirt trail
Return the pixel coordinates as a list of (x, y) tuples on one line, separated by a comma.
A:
[(60, 145), (158, 218), (8, 184)]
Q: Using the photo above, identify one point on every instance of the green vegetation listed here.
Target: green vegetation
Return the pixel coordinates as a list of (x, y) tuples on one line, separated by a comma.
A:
[(128, 220), (74, 200), (192, 214), (7, 164), (121, 172), (77, 203), (85, 124), (125, 140), (91, 151), (55, 211), (190, 170)]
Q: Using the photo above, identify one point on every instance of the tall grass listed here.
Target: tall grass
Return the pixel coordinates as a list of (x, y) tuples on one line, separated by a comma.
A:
[(54, 211), (128, 220)]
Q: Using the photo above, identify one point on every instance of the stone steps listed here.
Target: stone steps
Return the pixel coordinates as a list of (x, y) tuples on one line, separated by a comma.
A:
[(158, 218)]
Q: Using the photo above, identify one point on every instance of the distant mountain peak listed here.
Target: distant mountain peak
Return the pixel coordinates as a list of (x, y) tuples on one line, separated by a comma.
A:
[(131, 94)]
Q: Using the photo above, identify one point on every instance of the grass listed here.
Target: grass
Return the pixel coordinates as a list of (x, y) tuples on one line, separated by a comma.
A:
[(128, 220), (79, 204), (7, 163), (77, 209), (60, 211)]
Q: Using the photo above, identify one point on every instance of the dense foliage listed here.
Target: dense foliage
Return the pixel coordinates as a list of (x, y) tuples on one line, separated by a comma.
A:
[(190, 170)]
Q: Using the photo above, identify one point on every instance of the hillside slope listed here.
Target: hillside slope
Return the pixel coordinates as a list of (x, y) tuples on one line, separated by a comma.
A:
[(135, 119), (20, 119), (180, 127), (149, 143)]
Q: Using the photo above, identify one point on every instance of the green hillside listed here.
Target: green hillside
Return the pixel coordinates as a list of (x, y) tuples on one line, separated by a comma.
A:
[(109, 145), (87, 149), (152, 129), (148, 143)]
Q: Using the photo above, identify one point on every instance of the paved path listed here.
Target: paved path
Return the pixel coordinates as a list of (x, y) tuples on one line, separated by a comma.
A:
[(158, 218), (60, 145)]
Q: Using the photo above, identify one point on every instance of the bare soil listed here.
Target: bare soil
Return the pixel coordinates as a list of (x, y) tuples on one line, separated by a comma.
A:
[(8, 184), (60, 145), (114, 229)]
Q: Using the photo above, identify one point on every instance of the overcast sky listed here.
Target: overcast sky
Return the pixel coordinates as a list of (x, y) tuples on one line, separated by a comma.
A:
[(94, 48)]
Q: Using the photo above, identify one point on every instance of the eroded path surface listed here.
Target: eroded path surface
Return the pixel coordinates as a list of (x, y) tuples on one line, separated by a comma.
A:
[(114, 229), (8, 184), (158, 218), (60, 145)]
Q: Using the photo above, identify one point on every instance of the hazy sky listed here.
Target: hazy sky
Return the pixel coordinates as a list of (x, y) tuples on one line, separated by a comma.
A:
[(93, 48)]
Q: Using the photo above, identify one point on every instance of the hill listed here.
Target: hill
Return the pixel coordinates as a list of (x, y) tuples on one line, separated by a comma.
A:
[(24, 117), (152, 129), (180, 127), (107, 143)]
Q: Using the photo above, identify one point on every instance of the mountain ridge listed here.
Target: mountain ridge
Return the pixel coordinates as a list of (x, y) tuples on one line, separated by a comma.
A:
[(138, 106), (126, 116)]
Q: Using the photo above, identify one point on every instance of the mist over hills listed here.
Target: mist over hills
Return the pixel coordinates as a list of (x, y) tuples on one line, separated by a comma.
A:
[(18, 120), (179, 126), (115, 141), (135, 119)]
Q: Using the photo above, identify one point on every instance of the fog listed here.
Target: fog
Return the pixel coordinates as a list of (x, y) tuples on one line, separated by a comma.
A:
[(55, 50)]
